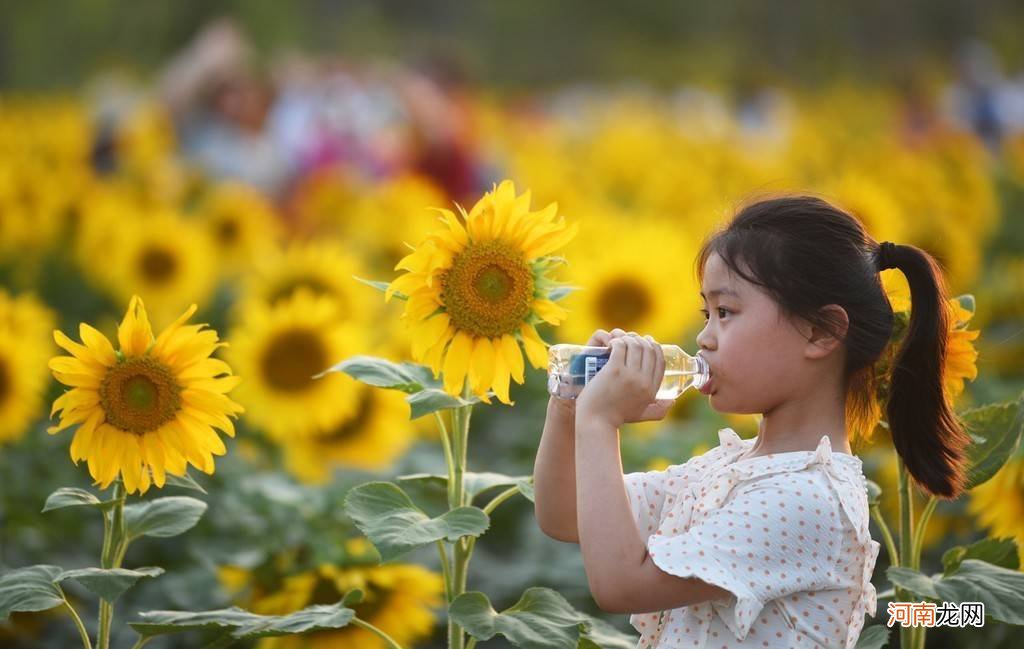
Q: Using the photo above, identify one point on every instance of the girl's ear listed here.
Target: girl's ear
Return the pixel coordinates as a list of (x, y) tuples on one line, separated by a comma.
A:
[(822, 342)]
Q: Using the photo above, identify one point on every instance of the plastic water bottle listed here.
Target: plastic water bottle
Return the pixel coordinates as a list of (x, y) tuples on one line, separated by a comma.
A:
[(571, 367)]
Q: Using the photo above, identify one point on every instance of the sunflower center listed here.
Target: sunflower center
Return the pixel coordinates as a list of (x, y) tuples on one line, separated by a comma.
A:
[(227, 231), (292, 358), (489, 289), (326, 592), (289, 286), (352, 426), (140, 395), (5, 380), (623, 302), (157, 265)]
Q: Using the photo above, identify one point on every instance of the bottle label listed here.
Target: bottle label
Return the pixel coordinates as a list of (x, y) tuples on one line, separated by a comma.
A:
[(592, 365)]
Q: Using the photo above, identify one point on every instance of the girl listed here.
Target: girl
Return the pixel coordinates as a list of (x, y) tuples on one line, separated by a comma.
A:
[(762, 542)]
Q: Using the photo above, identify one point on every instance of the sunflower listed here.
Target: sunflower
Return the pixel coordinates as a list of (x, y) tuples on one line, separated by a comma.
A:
[(324, 268), (241, 223), (479, 285), (999, 503), (398, 599), (625, 286), (375, 435), (279, 349), (163, 256), (151, 407), (24, 348)]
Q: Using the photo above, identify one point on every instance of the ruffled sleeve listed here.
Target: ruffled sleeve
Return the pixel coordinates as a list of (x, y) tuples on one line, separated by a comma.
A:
[(646, 490), (771, 536)]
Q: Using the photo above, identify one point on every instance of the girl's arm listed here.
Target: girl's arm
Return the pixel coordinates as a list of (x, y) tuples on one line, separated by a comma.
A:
[(620, 572), (554, 473)]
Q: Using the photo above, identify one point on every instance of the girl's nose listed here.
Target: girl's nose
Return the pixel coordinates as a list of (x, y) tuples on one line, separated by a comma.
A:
[(705, 340)]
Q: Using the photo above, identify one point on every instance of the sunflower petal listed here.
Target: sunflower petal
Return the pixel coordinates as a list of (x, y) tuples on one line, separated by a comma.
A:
[(456, 362), (500, 380), (536, 348), (513, 357), (481, 365), (135, 333), (549, 311), (97, 343)]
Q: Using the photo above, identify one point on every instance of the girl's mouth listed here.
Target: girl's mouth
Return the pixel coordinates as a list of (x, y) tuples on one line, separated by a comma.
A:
[(708, 387)]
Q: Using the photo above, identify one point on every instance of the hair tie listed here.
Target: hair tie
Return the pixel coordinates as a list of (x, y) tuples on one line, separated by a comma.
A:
[(886, 255)]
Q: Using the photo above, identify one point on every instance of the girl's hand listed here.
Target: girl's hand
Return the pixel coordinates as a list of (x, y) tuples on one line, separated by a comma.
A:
[(624, 389)]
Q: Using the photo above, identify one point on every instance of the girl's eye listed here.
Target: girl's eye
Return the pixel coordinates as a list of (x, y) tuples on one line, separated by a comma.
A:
[(720, 311)]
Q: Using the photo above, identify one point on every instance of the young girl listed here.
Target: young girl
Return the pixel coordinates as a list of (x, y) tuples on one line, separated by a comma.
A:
[(761, 542)]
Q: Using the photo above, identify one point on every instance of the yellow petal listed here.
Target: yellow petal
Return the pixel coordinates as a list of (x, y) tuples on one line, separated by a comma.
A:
[(513, 357), (135, 333), (432, 358), (549, 311), (481, 365), (457, 231), (427, 334), (98, 343), (536, 348), (500, 380), (166, 334), (456, 362), (551, 241), (81, 352), (404, 283)]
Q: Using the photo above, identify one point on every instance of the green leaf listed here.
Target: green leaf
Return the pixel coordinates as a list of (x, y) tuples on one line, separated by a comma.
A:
[(109, 584), (382, 373), (185, 481), (242, 624), (476, 483), (601, 635), (874, 493), (541, 619), (382, 287), (561, 292), (1000, 425), (431, 400), (999, 552), (386, 515), (162, 517), (999, 589), (72, 497), (30, 589), (873, 637)]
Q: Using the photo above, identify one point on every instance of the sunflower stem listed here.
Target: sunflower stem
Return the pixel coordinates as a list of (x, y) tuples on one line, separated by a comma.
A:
[(141, 642), (906, 541), (112, 553), (890, 545), (78, 623), (457, 497), (922, 523), (384, 636)]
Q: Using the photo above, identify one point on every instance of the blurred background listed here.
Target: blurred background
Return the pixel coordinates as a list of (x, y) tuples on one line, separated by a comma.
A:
[(231, 154)]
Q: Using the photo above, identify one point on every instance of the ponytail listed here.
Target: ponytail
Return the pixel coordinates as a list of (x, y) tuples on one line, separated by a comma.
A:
[(925, 431)]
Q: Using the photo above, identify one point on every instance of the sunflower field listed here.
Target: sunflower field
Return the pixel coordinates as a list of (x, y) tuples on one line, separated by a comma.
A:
[(241, 406)]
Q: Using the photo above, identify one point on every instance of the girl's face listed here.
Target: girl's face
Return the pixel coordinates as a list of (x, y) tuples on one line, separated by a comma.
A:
[(757, 355)]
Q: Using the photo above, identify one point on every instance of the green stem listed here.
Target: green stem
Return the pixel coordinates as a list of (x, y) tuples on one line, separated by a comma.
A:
[(143, 639), (113, 535), (442, 549), (490, 507), (906, 540), (78, 623), (890, 545), (446, 444), (369, 627), (922, 523), (457, 498), (471, 643)]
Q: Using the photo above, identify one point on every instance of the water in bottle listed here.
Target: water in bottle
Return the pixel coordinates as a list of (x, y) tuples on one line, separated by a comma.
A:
[(571, 367)]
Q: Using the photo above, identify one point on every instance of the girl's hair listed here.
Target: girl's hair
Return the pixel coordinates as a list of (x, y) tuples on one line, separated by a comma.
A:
[(806, 254)]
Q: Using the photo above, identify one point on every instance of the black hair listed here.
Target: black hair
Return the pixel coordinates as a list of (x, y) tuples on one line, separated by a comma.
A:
[(807, 253)]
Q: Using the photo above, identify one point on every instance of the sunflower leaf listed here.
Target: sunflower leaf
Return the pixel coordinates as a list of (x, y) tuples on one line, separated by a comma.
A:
[(999, 589), (431, 400), (874, 492), (999, 552), (875, 636), (162, 517), (388, 517), (382, 373), (476, 483), (185, 481), (541, 619), (382, 287), (73, 497), (242, 624), (30, 589), (109, 584), (601, 635), (1000, 425)]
